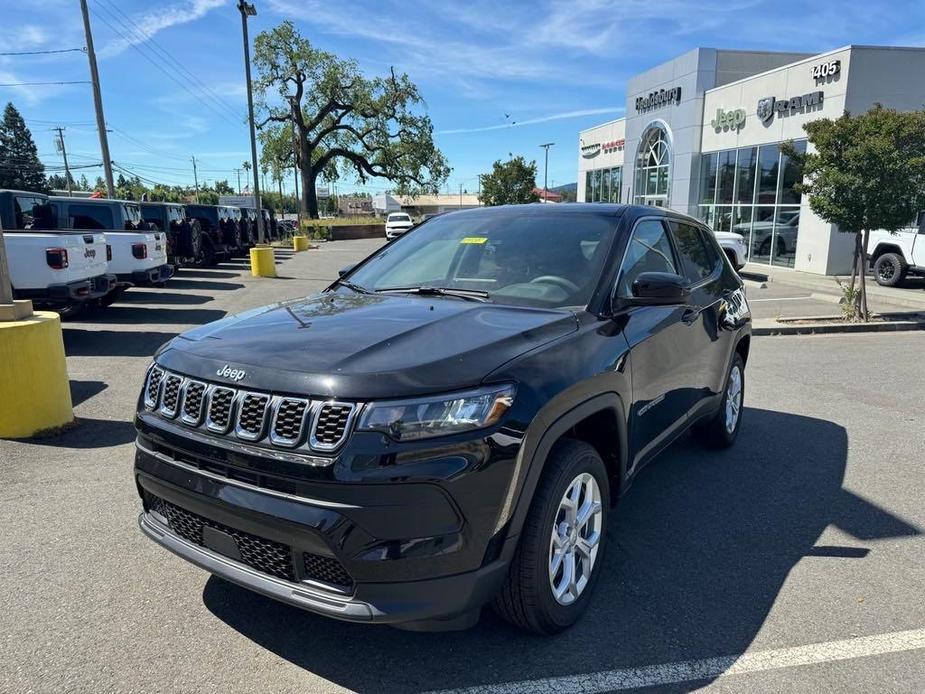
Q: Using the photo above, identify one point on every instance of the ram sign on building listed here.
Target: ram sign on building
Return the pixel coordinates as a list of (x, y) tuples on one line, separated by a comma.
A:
[(702, 135)]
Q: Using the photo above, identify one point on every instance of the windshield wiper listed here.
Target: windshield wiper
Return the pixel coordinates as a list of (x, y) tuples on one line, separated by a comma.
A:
[(468, 294), (351, 285)]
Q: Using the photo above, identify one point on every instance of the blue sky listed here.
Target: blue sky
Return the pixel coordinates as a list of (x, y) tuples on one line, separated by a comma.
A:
[(172, 72)]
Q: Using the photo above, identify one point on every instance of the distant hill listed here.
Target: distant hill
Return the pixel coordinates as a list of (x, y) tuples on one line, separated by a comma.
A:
[(569, 191)]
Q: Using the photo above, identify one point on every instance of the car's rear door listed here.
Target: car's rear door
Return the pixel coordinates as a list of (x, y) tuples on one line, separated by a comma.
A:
[(707, 342)]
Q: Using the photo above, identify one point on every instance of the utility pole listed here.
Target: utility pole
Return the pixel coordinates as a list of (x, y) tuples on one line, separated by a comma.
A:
[(195, 179), (67, 171), (238, 171), (248, 10), (98, 102), (546, 170), (460, 196)]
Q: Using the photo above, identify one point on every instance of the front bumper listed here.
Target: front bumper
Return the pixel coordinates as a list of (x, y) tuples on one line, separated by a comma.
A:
[(407, 549), (154, 275)]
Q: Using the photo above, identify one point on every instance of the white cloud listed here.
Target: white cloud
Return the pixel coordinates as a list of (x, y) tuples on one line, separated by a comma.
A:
[(540, 119), (150, 23)]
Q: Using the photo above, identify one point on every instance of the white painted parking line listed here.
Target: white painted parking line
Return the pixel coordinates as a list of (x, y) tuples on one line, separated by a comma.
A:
[(712, 668)]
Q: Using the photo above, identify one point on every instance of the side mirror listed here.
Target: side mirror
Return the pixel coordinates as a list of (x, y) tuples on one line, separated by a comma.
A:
[(660, 289), (345, 270)]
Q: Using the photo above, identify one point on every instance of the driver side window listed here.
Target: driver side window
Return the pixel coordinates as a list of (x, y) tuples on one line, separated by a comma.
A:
[(649, 250)]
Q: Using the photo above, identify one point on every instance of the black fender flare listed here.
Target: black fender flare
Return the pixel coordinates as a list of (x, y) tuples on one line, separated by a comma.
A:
[(550, 424)]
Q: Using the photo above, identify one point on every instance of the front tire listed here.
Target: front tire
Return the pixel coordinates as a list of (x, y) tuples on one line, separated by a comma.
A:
[(722, 429), (890, 270), (558, 560)]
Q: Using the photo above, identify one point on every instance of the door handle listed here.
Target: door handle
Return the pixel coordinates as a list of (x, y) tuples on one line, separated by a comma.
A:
[(689, 317)]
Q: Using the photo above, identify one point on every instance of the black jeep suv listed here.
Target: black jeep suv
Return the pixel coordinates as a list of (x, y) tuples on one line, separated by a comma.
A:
[(449, 423)]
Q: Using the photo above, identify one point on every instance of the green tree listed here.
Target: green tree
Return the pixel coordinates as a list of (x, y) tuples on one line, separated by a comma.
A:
[(511, 182), (867, 172), (344, 121), (20, 167)]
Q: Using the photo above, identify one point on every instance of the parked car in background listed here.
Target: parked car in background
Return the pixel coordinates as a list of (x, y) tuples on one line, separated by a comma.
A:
[(139, 252), (896, 255), (733, 246), (528, 362), (397, 223), (782, 232), (184, 235), (58, 269)]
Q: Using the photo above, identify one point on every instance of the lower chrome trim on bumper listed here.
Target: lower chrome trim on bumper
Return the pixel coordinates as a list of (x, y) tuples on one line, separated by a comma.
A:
[(305, 597)]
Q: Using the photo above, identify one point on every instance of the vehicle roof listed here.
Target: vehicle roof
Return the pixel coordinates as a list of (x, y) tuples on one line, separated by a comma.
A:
[(160, 202), (94, 201), (13, 191), (601, 209)]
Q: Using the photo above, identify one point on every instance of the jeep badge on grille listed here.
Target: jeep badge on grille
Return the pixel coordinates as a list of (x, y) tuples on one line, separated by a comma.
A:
[(234, 374)]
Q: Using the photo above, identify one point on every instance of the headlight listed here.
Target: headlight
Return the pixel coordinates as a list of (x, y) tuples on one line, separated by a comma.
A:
[(440, 415)]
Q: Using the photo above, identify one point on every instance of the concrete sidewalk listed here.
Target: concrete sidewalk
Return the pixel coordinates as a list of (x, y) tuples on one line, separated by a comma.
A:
[(909, 296)]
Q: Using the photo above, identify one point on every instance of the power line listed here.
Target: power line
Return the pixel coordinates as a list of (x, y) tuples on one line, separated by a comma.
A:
[(138, 47), (61, 50), (132, 27)]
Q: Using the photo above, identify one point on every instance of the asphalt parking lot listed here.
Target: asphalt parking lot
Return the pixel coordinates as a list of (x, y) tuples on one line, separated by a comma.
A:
[(793, 562)]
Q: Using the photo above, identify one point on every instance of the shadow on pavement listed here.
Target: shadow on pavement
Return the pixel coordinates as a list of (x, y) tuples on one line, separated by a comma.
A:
[(135, 315), (202, 272), (700, 548), (135, 296), (205, 284), (89, 434), (81, 391), (111, 343)]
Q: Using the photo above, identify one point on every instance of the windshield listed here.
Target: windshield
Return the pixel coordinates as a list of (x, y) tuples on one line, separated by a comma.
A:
[(518, 257), (399, 218)]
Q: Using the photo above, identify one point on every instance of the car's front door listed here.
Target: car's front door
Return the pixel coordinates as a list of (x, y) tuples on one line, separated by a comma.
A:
[(658, 341)]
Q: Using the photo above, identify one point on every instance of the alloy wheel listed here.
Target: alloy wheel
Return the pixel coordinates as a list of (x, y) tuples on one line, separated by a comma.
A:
[(733, 398), (886, 270), (575, 539)]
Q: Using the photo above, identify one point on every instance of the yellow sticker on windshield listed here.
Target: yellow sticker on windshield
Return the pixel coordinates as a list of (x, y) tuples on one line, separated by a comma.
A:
[(474, 239)]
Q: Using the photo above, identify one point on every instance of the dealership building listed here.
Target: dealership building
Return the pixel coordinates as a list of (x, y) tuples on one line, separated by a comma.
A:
[(702, 135)]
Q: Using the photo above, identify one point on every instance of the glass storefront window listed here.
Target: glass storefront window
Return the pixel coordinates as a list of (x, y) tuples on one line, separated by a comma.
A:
[(708, 178), (745, 175), (616, 182), (786, 226), (791, 174), (596, 185), (588, 191), (726, 178), (653, 162), (605, 185), (768, 167)]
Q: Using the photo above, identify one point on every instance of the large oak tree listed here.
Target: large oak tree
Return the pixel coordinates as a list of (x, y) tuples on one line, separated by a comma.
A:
[(344, 121)]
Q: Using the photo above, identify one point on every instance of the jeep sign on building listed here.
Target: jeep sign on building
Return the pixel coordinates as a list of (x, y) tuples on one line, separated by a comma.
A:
[(702, 135)]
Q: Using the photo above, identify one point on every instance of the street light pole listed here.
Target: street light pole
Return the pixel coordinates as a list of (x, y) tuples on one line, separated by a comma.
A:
[(546, 170), (248, 10)]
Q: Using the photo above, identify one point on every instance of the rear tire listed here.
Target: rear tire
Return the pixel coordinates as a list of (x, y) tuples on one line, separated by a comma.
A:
[(552, 533), (890, 270), (722, 429), (207, 254)]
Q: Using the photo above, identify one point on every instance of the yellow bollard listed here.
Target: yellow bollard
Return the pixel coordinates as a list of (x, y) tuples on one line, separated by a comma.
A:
[(35, 394), (263, 262), (300, 243)]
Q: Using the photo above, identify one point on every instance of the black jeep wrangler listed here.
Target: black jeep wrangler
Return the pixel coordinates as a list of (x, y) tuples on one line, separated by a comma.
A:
[(450, 422), (218, 240), (184, 235)]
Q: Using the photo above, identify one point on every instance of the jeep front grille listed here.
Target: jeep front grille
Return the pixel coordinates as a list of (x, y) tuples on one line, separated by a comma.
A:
[(262, 418)]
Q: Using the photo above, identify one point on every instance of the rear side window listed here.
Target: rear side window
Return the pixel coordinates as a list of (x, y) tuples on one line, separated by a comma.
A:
[(33, 213), (649, 250), (698, 256), (90, 217)]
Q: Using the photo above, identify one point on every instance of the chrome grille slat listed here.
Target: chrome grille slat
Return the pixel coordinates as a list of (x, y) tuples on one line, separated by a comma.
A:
[(272, 420), (170, 395), (252, 416)]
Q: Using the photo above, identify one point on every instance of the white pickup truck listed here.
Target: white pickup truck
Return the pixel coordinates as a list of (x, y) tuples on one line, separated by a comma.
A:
[(139, 253), (895, 255), (57, 269)]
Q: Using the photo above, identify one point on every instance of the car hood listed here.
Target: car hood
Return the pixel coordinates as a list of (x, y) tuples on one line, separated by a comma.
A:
[(364, 346)]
